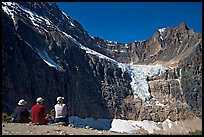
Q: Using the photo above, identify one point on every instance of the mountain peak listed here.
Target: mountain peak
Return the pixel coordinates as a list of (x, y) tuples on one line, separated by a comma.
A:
[(183, 26)]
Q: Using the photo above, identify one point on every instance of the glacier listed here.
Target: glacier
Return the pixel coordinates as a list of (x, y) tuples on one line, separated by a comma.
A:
[(139, 74)]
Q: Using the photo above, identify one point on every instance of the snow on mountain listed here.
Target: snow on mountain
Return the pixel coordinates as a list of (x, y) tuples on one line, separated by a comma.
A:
[(123, 126), (36, 20), (160, 31), (43, 54), (88, 50), (140, 41), (49, 61), (7, 10), (69, 20)]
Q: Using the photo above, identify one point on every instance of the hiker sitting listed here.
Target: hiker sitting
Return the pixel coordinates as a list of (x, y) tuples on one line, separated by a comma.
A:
[(38, 112), (61, 113), (21, 113)]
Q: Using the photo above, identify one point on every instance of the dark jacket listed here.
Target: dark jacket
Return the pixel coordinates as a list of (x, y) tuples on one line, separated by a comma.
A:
[(21, 114)]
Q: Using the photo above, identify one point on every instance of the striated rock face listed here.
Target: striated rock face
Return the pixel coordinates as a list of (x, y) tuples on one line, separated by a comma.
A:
[(46, 53), (167, 46)]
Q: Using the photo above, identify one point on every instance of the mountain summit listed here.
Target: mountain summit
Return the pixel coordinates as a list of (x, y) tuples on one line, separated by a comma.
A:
[(183, 26)]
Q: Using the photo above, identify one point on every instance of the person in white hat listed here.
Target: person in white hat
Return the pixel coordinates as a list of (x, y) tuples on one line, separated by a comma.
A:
[(38, 112), (21, 113), (61, 112)]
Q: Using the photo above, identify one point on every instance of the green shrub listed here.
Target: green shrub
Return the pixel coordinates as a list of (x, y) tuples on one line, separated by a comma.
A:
[(52, 112), (197, 132), (6, 117), (3, 117)]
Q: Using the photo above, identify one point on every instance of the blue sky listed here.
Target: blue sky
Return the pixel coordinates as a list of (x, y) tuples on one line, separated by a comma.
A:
[(129, 21)]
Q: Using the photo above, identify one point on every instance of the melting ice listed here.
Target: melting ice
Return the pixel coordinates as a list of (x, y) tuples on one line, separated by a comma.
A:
[(139, 73)]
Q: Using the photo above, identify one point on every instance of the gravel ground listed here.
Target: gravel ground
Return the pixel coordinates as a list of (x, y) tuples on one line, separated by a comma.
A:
[(29, 129), (57, 129)]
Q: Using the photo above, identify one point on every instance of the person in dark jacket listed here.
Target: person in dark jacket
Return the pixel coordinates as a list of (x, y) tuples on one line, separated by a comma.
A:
[(21, 113), (38, 112)]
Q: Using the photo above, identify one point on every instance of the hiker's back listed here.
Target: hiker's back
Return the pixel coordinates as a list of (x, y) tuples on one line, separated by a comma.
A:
[(38, 113), (21, 113)]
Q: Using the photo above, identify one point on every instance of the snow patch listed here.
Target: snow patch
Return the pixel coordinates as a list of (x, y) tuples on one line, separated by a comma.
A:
[(161, 30), (43, 54), (139, 41), (150, 126), (69, 20), (167, 124), (117, 125), (124, 126), (88, 50), (7, 10), (161, 37), (11, 8)]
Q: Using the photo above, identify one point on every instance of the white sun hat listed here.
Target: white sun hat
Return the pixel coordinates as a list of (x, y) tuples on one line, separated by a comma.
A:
[(39, 99), (60, 98), (22, 102)]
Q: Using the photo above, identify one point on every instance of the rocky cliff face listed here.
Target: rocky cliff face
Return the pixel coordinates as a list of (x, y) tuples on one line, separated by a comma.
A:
[(167, 46), (47, 53)]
